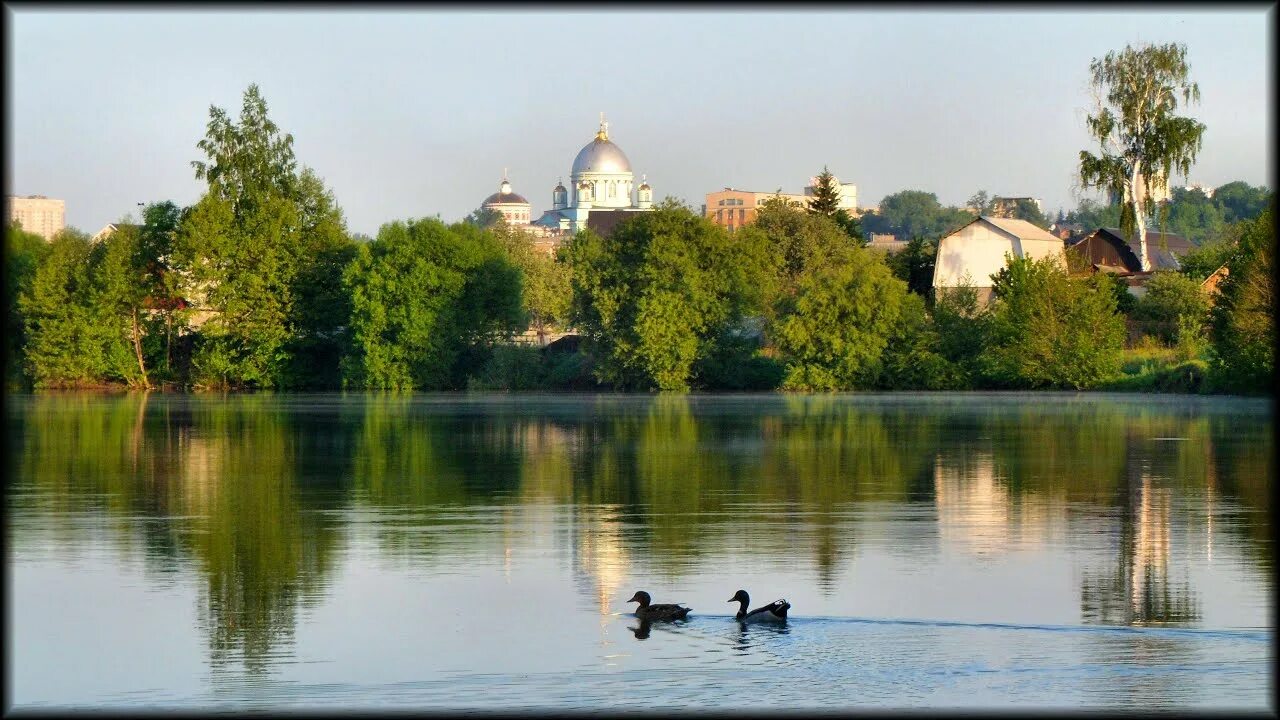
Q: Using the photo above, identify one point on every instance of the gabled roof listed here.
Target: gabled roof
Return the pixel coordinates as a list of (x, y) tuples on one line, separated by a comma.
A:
[(1020, 229), (112, 227)]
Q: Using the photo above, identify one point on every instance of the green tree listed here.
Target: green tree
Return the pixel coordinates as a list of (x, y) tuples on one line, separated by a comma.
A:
[(260, 252), (914, 265), (1201, 262), (962, 328), (1141, 139), (1092, 215), (24, 252), (423, 294), (833, 331), (913, 359), (1240, 201), (789, 242), (1049, 330), (64, 345), (980, 202), (164, 302), (914, 213), (485, 218), (657, 295), (826, 195), (1243, 319), (321, 305), (547, 281), (121, 282), (1191, 214), (1172, 303), (1026, 209)]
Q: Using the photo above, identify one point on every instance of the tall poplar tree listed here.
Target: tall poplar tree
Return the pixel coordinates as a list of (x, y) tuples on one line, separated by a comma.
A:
[(1142, 141), (262, 250)]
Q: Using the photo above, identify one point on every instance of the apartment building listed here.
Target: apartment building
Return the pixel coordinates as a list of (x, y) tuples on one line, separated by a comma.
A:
[(732, 208), (38, 214)]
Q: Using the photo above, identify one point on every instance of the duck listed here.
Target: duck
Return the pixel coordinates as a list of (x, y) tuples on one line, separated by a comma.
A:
[(648, 611), (775, 611)]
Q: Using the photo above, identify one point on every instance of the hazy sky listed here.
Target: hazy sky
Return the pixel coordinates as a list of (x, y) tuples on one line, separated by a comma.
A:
[(408, 114)]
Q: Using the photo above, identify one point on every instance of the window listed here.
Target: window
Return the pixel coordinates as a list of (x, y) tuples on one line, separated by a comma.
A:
[(742, 215), (719, 216)]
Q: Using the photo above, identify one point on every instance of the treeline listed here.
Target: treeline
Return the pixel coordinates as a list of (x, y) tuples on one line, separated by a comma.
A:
[(259, 285), (1203, 218)]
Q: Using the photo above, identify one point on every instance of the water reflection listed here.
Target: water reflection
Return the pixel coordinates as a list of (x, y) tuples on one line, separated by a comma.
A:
[(260, 495), (1140, 591)]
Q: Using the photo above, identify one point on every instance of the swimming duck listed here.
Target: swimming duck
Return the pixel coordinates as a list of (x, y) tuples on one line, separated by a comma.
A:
[(647, 611), (775, 611)]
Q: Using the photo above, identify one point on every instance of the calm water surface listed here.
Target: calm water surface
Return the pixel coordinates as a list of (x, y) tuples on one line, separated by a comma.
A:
[(476, 551)]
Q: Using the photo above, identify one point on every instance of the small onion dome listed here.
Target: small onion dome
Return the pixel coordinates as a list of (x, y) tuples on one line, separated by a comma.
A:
[(644, 186), (559, 186)]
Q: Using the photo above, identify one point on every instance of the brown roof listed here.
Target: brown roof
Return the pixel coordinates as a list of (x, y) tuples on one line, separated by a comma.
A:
[(505, 199), (1175, 243), (1163, 249), (603, 222)]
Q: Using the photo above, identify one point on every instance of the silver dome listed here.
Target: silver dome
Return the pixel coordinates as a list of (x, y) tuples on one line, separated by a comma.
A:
[(601, 156)]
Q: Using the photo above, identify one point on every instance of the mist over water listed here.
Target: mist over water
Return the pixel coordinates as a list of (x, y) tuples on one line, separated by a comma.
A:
[(451, 551)]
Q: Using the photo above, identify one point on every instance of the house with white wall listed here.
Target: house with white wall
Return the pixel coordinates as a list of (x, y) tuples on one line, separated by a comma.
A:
[(975, 252)]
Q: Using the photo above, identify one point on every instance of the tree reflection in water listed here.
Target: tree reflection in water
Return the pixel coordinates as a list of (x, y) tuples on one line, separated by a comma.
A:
[(258, 492)]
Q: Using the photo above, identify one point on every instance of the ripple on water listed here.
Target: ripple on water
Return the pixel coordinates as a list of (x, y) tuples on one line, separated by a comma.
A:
[(713, 661)]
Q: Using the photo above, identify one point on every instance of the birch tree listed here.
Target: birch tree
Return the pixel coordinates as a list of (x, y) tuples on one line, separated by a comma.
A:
[(1142, 141)]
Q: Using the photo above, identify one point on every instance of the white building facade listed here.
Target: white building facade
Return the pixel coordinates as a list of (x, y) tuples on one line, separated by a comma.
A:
[(969, 256)]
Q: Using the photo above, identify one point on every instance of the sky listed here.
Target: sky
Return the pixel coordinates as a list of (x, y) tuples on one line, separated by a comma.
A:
[(416, 112)]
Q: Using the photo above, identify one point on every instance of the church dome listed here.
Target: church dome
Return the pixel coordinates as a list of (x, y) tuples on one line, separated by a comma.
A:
[(601, 155), (504, 196), (499, 198)]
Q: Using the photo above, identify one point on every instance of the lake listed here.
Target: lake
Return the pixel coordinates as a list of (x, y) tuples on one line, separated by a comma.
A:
[(1047, 550)]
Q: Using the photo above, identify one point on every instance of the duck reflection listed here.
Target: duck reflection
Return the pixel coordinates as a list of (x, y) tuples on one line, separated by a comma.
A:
[(642, 631), (751, 635)]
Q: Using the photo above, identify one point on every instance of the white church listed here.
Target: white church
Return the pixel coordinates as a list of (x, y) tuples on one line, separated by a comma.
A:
[(600, 183)]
